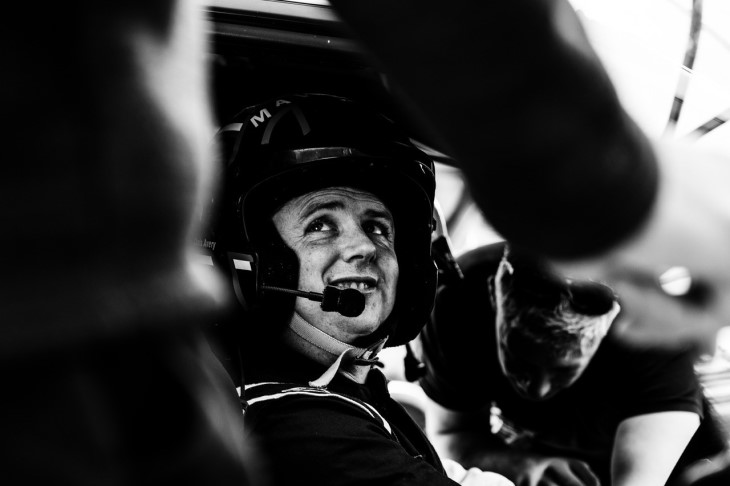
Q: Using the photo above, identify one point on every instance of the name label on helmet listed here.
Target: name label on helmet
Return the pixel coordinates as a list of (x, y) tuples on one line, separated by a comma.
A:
[(205, 243), (264, 113), (261, 117)]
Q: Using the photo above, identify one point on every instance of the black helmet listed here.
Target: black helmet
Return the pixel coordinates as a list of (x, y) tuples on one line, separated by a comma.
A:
[(295, 144)]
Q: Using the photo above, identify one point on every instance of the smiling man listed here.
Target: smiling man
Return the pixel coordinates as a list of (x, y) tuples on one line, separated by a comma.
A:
[(535, 387), (320, 226), (326, 197)]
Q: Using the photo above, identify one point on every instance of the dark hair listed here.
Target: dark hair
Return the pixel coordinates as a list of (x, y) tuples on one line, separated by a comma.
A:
[(547, 308)]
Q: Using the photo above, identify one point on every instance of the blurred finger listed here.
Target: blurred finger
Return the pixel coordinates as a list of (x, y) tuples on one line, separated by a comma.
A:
[(583, 472), (561, 476)]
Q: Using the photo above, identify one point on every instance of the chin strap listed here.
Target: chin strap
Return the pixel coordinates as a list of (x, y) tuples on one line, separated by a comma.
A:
[(353, 362)]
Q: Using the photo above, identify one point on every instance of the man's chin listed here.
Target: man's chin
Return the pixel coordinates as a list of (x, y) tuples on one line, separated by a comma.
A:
[(364, 324)]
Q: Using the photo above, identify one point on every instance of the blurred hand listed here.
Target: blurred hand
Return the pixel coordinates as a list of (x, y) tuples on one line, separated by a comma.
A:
[(690, 227), (474, 476), (555, 471), (477, 477)]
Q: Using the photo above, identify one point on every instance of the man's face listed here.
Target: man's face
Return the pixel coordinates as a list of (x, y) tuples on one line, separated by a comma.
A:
[(533, 368), (537, 373), (343, 237)]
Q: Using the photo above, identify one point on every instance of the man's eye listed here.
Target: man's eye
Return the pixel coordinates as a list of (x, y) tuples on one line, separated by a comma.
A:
[(318, 225), (377, 228)]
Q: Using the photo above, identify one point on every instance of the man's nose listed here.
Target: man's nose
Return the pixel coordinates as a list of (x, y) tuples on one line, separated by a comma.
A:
[(356, 244)]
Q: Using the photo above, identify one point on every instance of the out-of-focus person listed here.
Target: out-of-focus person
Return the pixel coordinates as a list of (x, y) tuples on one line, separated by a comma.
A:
[(525, 378), (106, 376)]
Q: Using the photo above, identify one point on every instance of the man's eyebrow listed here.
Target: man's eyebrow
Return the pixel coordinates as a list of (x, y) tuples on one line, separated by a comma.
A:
[(379, 213), (330, 205), (313, 208)]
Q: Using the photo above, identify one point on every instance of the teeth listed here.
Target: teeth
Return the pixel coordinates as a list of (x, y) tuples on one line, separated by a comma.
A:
[(353, 285)]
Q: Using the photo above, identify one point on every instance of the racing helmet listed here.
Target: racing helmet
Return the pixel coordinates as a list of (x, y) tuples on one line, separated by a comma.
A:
[(294, 144)]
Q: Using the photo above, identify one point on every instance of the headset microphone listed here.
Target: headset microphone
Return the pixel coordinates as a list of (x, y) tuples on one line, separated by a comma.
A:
[(348, 302)]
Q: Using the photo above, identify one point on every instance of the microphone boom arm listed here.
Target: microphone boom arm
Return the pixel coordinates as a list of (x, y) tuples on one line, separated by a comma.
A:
[(316, 296), (348, 302)]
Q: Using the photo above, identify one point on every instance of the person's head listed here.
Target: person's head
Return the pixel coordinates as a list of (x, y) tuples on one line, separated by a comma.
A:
[(320, 191), (343, 237), (548, 328)]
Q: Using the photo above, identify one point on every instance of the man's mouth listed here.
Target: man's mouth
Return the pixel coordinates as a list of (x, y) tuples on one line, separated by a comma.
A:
[(361, 284)]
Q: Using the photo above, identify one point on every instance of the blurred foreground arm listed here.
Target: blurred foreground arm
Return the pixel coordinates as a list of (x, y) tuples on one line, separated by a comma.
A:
[(516, 94)]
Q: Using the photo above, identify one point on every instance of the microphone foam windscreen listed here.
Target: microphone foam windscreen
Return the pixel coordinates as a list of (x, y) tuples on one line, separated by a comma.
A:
[(348, 302)]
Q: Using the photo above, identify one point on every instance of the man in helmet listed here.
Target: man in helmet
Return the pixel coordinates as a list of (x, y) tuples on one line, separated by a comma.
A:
[(326, 198), (534, 387)]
